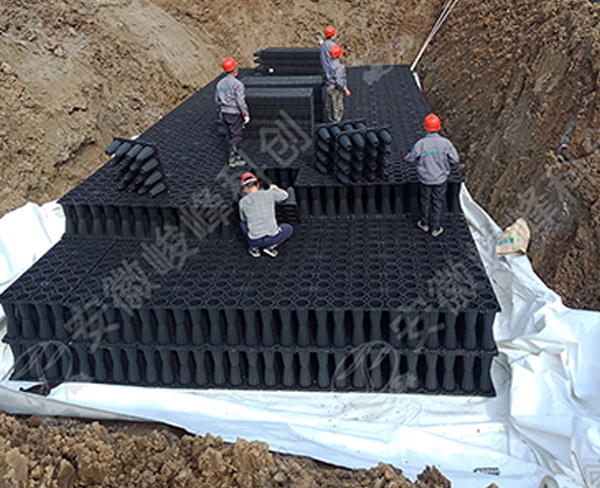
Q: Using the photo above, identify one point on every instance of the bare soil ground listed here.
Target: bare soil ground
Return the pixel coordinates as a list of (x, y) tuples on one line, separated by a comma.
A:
[(65, 453)]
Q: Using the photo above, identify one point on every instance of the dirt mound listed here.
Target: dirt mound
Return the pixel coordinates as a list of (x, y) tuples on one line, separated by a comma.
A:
[(75, 73), (66, 453), (517, 85)]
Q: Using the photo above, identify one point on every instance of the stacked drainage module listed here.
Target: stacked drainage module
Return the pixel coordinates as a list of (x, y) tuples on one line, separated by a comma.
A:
[(352, 151), (286, 61), (152, 284), (267, 103)]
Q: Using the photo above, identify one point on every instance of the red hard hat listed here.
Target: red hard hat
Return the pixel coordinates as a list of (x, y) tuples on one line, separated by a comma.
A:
[(229, 64), (335, 51), (432, 123), (247, 179), (329, 31)]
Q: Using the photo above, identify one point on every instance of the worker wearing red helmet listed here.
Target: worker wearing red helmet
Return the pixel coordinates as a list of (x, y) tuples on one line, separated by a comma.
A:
[(433, 155), (230, 98), (335, 80), (326, 45), (257, 217)]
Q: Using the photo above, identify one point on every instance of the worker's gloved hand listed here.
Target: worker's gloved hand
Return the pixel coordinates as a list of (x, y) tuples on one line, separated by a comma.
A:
[(246, 118)]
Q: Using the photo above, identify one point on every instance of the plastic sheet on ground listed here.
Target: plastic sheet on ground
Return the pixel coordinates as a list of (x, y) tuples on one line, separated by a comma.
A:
[(545, 420)]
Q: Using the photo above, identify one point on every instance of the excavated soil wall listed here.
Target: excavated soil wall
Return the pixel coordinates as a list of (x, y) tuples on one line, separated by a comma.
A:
[(517, 85)]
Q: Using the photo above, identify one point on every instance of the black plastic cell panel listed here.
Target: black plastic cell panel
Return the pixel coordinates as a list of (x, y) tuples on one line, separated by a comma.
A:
[(210, 323), (190, 161), (57, 273), (143, 222), (371, 367), (293, 54), (352, 156), (301, 327), (351, 199), (316, 87), (48, 361), (282, 81), (387, 198), (265, 96), (466, 269)]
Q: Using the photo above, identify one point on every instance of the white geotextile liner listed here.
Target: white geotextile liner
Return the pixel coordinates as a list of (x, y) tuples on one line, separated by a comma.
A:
[(544, 421)]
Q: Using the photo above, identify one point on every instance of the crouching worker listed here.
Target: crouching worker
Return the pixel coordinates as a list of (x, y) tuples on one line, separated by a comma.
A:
[(257, 215)]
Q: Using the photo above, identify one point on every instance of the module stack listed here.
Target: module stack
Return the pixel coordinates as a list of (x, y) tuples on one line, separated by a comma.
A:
[(269, 106), (138, 165), (160, 291), (279, 61), (352, 151), (315, 82), (351, 307)]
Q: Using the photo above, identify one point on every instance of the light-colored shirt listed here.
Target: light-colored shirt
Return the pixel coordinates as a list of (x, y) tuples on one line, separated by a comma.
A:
[(230, 96), (257, 209), (433, 155), (337, 75), (326, 45)]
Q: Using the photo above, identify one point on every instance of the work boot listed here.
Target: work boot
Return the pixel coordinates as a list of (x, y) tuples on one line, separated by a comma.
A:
[(422, 226), (235, 158), (238, 156), (437, 232), (232, 158), (271, 251)]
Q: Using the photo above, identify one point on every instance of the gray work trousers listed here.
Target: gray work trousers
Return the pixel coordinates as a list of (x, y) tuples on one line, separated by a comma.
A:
[(432, 203), (335, 104), (234, 124)]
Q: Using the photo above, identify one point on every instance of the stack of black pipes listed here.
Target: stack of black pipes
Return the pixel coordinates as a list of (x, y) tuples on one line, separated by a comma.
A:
[(352, 151), (138, 166)]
